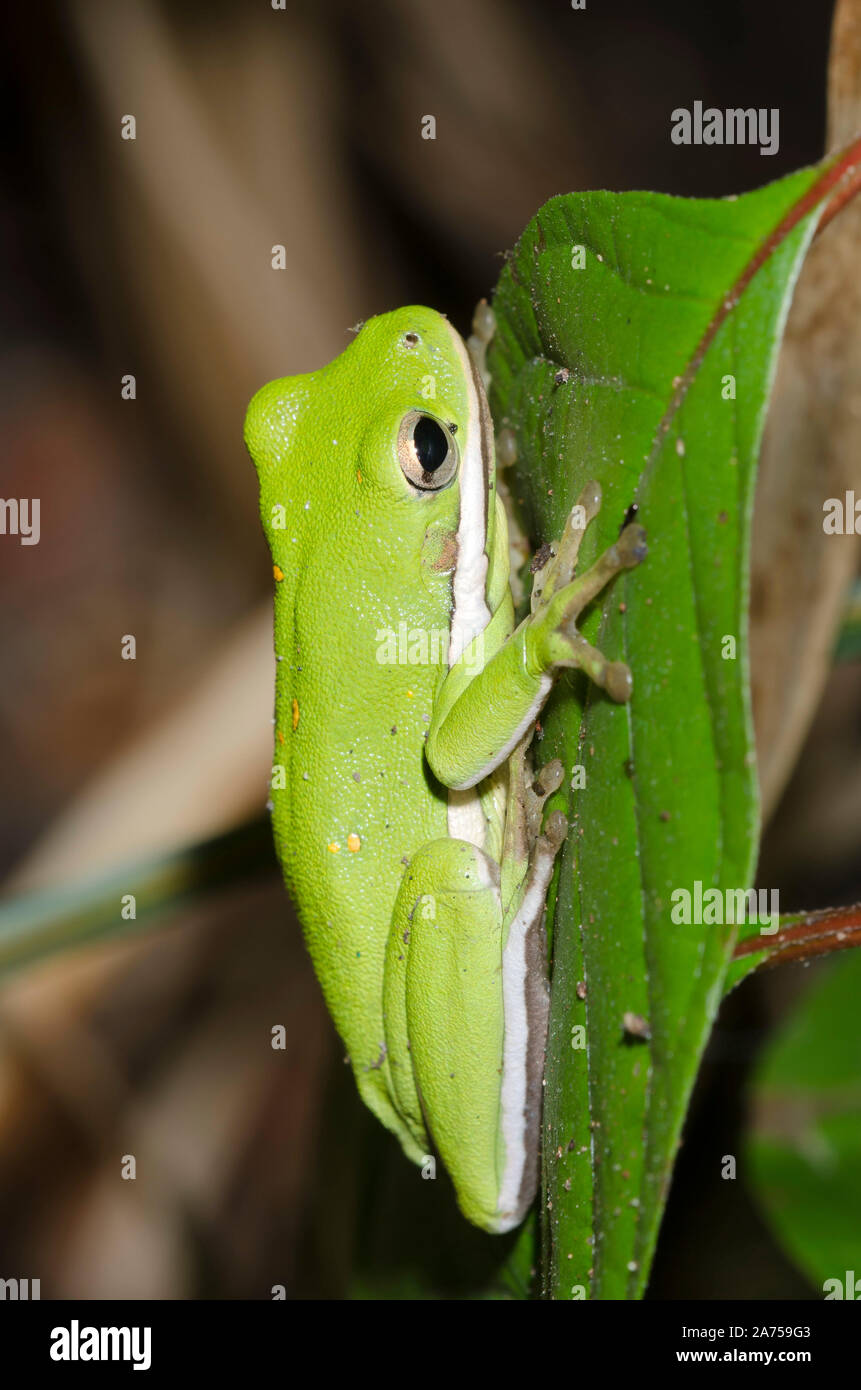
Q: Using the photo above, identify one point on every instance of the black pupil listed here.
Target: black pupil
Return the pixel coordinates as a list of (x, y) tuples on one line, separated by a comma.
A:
[(430, 443)]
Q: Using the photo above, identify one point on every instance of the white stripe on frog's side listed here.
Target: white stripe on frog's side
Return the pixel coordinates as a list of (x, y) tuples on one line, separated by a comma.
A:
[(526, 1009), (524, 970), (470, 613)]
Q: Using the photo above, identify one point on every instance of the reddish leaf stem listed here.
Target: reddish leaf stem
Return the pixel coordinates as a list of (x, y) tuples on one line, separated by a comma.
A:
[(815, 934), (844, 175)]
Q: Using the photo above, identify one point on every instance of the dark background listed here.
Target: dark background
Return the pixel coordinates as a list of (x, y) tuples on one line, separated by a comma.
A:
[(257, 127)]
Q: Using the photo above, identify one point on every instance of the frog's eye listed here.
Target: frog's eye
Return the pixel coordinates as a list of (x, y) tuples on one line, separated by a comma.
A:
[(427, 452)]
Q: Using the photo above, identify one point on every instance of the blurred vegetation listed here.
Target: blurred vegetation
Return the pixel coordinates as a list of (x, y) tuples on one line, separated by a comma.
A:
[(257, 127)]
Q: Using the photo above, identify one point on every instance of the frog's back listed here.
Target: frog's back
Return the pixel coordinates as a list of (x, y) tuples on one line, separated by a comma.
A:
[(363, 569)]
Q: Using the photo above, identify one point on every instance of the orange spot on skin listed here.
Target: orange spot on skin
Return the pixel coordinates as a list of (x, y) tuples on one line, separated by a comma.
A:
[(359, 475), (280, 736), (447, 558), (334, 847), (278, 572), (295, 713), (353, 843)]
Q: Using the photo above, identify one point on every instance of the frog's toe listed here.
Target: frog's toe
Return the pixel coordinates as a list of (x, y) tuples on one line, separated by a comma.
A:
[(631, 546), (549, 779), (590, 500), (618, 681), (555, 831), (483, 321)]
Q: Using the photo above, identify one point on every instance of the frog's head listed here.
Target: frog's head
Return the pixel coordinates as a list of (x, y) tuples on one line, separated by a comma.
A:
[(394, 434)]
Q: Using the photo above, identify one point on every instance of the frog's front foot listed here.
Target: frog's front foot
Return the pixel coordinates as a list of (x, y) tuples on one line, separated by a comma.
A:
[(536, 793), (558, 599)]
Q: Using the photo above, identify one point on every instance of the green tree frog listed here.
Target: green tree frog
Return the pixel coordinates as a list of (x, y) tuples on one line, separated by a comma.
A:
[(405, 814)]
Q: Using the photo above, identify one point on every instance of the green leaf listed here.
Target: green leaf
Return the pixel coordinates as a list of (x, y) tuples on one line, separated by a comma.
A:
[(804, 1152), (666, 308)]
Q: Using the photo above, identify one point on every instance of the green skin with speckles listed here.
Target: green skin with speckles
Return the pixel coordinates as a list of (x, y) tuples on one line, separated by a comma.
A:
[(406, 919)]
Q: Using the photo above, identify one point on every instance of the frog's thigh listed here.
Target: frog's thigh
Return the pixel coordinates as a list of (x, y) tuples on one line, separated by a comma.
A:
[(444, 1012)]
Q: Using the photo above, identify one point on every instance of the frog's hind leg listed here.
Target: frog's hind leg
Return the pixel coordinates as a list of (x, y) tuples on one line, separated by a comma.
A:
[(443, 1015), (465, 1004)]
